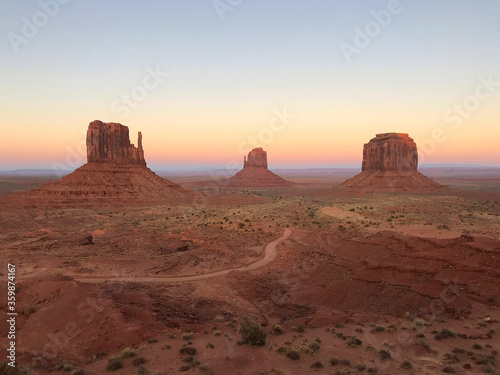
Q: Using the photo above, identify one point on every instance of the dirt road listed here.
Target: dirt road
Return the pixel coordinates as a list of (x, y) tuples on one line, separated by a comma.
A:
[(269, 256)]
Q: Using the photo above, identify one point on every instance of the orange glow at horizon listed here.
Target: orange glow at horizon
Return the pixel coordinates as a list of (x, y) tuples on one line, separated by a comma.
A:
[(312, 139)]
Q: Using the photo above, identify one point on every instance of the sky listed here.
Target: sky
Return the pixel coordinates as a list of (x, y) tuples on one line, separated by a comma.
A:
[(206, 81)]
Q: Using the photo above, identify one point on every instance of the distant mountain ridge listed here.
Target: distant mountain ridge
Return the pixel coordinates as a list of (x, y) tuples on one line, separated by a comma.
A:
[(428, 168), (35, 172)]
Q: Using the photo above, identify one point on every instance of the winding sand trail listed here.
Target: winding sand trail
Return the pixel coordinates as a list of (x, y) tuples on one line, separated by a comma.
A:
[(269, 256)]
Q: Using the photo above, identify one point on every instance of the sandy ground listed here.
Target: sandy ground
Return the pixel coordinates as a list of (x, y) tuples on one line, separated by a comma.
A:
[(374, 283)]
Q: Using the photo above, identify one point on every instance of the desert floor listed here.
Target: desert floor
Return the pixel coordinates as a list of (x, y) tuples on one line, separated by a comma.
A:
[(381, 283)]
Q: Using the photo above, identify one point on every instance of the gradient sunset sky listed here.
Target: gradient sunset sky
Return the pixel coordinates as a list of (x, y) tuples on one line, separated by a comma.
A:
[(428, 68)]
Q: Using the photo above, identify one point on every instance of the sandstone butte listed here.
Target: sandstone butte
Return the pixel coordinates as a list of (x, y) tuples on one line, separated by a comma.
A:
[(115, 168), (255, 172), (390, 162)]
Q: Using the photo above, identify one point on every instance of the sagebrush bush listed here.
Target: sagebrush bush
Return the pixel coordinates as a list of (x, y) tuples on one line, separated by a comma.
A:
[(114, 364), (128, 352), (293, 355), (251, 333)]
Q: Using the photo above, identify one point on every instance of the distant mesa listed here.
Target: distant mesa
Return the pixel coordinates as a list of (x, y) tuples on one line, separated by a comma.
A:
[(115, 168), (390, 162), (256, 174)]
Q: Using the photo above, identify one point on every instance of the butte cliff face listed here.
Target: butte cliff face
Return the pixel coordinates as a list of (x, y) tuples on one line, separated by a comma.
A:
[(257, 158), (256, 174), (390, 162), (115, 169), (110, 142), (390, 152)]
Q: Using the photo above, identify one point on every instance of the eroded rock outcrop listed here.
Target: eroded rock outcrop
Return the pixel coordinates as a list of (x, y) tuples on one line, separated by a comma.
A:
[(115, 169), (390, 162), (110, 142), (256, 174)]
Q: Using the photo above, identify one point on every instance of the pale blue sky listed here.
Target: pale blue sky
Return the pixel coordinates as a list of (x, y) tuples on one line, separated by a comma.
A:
[(262, 55)]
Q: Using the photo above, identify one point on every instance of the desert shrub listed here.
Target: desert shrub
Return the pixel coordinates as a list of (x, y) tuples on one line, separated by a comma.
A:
[(384, 354), (251, 333), (190, 363), (424, 343), (315, 346), (278, 329), (78, 372), (420, 322), (317, 365), (31, 310), (489, 363), (217, 332), (345, 362), (114, 364), (138, 361), (187, 336), (6, 369), (293, 355), (99, 355), (446, 333), (451, 357), (187, 350), (66, 367), (449, 370), (477, 347), (458, 350), (353, 341), (128, 352), (378, 329), (142, 370), (360, 367), (334, 361), (300, 329)]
